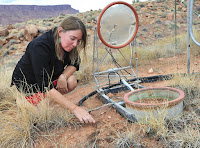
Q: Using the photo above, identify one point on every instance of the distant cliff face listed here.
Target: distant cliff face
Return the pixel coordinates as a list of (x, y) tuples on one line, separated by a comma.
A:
[(10, 14)]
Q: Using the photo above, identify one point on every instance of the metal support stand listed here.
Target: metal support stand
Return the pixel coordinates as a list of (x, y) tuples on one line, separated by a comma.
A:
[(119, 106), (112, 72)]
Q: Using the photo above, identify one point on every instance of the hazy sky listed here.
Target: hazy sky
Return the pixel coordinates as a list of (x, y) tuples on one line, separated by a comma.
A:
[(81, 5)]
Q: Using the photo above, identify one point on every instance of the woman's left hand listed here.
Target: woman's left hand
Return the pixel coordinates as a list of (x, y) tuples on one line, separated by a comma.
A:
[(62, 84)]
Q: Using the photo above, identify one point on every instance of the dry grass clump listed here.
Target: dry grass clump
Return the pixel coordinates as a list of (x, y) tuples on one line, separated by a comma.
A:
[(127, 140), (167, 47), (22, 124), (15, 129), (85, 72), (195, 49), (6, 93), (185, 131), (161, 48), (153, 123), (189, 84)]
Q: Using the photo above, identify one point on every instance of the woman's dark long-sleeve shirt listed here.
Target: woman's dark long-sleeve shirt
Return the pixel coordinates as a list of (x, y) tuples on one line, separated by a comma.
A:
[(39, 66)]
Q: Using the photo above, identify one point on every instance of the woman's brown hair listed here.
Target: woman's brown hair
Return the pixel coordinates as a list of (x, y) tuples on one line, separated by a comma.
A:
[(71, 23)]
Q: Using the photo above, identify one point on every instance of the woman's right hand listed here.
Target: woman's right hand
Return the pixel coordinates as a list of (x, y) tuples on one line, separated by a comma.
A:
[(79, 112), (83, 115)]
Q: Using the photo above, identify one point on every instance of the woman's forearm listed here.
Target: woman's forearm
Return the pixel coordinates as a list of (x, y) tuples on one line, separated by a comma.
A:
[(59, 98), (69, 71)]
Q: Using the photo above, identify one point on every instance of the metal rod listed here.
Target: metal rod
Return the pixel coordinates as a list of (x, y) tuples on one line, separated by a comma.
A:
[(118, 106), (113, 69), (96, 74), (129, 86), (175, 28), (99, 63), (136, 56), (123, 57), (190, 23), (188, 39), (94, 42)]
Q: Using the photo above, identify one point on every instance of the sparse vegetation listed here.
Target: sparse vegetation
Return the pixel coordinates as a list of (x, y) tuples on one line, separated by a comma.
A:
[(24, 125), (20, 122)]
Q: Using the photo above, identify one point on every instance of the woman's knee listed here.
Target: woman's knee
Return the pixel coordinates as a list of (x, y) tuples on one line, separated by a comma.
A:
[(71, 82)]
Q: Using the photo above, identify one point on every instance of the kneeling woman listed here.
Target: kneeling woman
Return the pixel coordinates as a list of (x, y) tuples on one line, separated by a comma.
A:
[(49, 63)]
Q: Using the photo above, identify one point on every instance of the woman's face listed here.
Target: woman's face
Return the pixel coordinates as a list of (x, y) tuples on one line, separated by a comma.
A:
[(69, 39)]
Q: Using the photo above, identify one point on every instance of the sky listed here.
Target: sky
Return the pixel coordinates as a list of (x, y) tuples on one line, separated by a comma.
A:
[(81, 5)]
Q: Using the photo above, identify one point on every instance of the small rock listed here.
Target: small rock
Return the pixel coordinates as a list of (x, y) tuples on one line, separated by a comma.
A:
[(10, 26), (2, 42), (109, 117), (30, 32), (4, 32), (150, 71), (175, 57)]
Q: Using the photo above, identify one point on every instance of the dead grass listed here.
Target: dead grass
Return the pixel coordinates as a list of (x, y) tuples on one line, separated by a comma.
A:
[(185, 131), (21, 124), (6, 93), (127, 139)]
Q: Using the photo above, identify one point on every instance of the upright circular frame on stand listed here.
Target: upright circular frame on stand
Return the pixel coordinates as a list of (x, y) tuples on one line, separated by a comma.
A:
[(99, 25)]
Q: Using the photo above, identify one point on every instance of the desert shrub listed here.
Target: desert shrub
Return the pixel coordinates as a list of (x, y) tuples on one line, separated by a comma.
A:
[(89, 26), (172, 26), (165, 6), (158, 35), (164, 15), (158, 21), (145, 29), (13, 41), (190, 86), (91, 18)]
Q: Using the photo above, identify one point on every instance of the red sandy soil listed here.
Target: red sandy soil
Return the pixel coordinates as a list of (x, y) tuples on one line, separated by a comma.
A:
[(109, 124)]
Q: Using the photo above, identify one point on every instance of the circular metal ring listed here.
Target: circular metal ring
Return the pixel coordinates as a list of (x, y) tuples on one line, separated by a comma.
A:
[(99, 25)]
